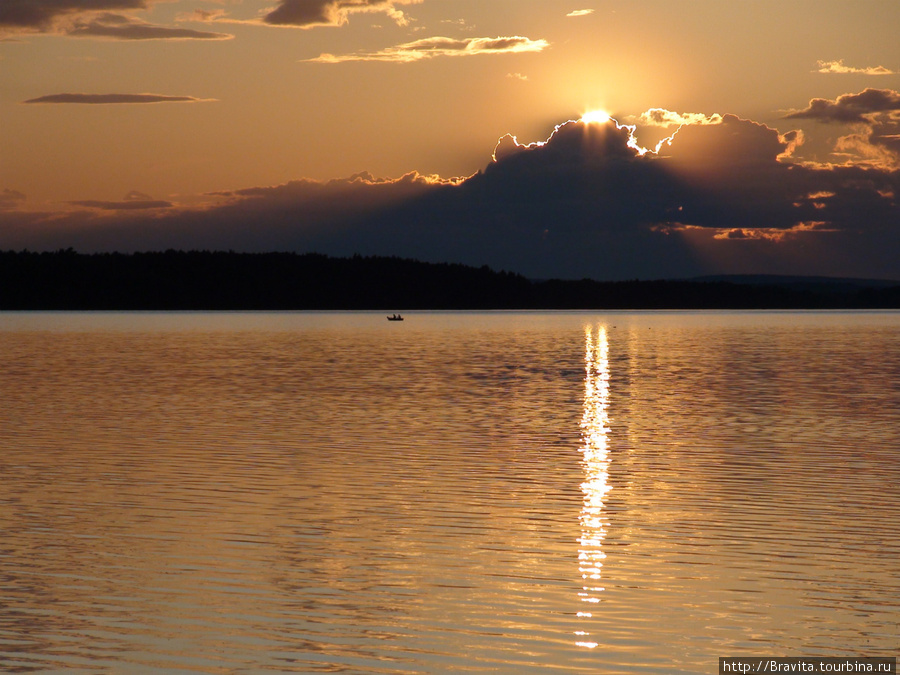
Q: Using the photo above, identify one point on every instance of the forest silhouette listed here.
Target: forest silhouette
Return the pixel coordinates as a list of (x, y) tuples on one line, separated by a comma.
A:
[(219, 280)]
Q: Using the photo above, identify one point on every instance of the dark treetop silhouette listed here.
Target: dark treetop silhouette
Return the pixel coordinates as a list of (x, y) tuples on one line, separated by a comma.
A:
[(198, 280)]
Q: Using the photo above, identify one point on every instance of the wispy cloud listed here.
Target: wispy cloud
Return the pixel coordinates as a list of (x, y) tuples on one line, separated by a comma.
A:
[(202, 15), (839, 67), (105, 99), (127, 205), (119, 27), (311, 13), (428, 48), (133, 201), (772, 234), (580, 12)]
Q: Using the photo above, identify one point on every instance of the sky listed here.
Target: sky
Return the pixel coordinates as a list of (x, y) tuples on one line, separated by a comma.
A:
[(611, 140)]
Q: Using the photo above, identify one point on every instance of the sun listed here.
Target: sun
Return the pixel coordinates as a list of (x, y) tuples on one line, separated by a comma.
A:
[(596, 117)]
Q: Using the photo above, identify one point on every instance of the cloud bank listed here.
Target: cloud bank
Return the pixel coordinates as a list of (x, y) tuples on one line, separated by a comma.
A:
[(428, 48), (727, 195)]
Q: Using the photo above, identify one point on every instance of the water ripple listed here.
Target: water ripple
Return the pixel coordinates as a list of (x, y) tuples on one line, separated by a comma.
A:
[(472, 493)]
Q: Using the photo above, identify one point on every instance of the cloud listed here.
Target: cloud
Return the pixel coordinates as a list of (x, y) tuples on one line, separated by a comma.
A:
[(850, 108), (660, 117), (871, 147), (586, 202), (136, 195), (11, 199), (118, 27), (716, 177), (576, 142), (40, 15), (839, 67), (730, 146), (202, 15), (126, 205), (580, 12), (875, 114), (517, 76), (311, 13), (90, 18), (133, 201), (428, 48), (107, 99), (768, 233)]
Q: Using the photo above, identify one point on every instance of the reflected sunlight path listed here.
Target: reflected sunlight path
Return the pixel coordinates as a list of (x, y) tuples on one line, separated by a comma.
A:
[(594, 430)]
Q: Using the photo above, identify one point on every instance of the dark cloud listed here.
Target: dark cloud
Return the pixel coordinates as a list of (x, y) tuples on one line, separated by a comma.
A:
[(39, 15), (130, 204), (574, 144), (850, 108), (107, 99), (732, 145), (302, 13), (90, 18), (310, 13), (587, 202), (118, 27), (133, 201)]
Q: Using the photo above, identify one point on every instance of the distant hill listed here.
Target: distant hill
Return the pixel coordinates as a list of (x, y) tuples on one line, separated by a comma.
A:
[(216, 280), (797, 281)]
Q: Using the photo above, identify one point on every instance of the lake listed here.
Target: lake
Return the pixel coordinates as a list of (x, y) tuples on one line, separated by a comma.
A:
[(496, 492)]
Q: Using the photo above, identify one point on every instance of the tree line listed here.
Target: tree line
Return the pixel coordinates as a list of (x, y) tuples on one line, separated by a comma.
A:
[(220, 280)]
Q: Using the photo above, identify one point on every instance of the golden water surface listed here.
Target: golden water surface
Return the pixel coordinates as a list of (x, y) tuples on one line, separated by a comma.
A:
[(459, 492)]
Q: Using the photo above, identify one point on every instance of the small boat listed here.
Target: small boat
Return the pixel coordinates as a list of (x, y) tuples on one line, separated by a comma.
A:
[(395, 317)]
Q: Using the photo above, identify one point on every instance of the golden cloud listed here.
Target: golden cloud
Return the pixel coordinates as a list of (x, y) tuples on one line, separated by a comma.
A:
[(839, 68), (428, 48)]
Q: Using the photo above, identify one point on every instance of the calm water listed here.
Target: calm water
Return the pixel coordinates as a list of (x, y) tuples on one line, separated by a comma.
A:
[(496, 492)]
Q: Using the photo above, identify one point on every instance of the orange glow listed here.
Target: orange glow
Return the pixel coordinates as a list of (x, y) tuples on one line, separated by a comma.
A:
[(595, 117)]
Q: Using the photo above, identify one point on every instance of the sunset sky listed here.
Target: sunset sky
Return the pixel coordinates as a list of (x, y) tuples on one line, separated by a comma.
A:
[(403, 127)]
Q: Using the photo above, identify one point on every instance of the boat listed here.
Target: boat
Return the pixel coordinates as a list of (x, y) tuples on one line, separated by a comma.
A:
[(395, 317)]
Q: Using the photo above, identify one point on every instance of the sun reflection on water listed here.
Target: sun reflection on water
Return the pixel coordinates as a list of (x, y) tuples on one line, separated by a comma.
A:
[(594, 430)]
